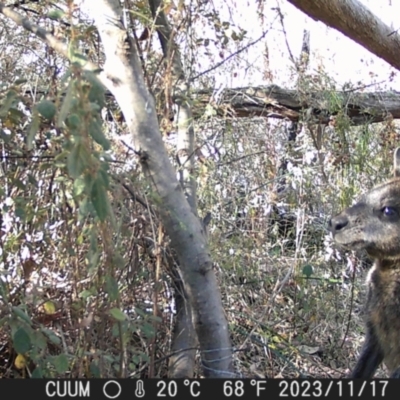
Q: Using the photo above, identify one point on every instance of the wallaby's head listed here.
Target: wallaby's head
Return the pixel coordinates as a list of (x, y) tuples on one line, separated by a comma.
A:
[(373, 223)]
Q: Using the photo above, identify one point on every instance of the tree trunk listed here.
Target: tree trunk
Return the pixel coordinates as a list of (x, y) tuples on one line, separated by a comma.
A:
[(122, 68), (184, 340)]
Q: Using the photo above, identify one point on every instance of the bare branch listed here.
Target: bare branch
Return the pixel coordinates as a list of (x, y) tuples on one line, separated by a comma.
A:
[(275, 102), (356, 21)]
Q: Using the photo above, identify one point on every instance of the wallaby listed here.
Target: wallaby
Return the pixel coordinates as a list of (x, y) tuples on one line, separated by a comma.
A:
[(373, 224)]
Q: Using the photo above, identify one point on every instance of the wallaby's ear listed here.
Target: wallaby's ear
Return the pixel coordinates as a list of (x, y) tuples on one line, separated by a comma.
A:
[(396, 162)]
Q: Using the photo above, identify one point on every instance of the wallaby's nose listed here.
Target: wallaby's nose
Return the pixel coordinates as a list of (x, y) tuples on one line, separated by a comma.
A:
[(338, 223)]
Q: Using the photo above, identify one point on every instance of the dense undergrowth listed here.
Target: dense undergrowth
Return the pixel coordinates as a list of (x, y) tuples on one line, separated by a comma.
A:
[(82, 298)]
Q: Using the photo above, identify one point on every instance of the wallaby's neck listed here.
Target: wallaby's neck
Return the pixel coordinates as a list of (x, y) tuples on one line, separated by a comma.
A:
[(390, 263)]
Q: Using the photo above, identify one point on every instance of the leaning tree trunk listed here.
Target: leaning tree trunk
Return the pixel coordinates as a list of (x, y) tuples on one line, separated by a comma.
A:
[(184, 339), (125, 80)]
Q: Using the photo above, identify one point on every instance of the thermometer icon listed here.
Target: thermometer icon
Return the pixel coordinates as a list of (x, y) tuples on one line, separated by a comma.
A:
[(139, 392)]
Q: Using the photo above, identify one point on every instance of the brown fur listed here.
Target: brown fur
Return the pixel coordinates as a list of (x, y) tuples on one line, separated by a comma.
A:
[(373, 224)]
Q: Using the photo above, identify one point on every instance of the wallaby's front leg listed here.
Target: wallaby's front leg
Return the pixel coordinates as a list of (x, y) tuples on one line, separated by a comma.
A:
[(370, 358)]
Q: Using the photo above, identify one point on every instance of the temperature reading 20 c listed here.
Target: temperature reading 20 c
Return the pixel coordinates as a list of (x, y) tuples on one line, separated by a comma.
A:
[(170, 389)]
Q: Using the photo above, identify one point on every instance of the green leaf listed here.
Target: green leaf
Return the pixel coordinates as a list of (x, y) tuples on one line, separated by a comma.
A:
[(96, 95), (37, 373), (77, 160), (47, 109), (33, 128), (85, 294), (38, 340), (135, 362), (117, 314), (55, 14), (112, 287), (7, 103), (155, 318), (32, 180), (4, 293), (103, 175), (51, 336), (21, 314), (94, 108), (79, 186), (93, 262), (99, 199), (15, 115), (79, 59), (96, 92), (95, 370), (20, 213), (61, 363), (73, 121), (72, 48), (20, 185), (22, 341), (85, 208), (148, 330), (20, 81), (96, 132), (66, 105), (308, 270), (141, 312)]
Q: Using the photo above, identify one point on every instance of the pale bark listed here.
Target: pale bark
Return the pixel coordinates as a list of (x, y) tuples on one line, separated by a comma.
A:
[(184, 340), (123, 69), (357, 22)]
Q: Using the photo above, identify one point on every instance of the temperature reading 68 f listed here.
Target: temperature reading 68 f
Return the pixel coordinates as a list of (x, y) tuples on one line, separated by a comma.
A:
[(233, 388)]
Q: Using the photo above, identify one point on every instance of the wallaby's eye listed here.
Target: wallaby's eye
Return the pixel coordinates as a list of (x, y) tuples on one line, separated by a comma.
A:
[(389, 211)]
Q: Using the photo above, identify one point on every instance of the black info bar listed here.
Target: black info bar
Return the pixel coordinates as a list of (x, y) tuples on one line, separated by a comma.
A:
[(184, 389)]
